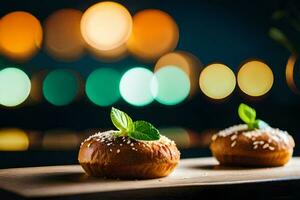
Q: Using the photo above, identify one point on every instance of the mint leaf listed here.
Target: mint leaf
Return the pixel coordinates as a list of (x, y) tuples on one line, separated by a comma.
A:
[(138, 130), (144, 131), (121, 120), (247, 114)]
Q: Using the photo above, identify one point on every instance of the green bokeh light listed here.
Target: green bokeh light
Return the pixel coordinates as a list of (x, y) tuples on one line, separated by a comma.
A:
[(135, 86), (14, 86), (102, 86), (61, 87), (172, 85)]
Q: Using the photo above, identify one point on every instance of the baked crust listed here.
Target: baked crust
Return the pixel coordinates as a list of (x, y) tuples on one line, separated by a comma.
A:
[(105, 155), (261, 147)]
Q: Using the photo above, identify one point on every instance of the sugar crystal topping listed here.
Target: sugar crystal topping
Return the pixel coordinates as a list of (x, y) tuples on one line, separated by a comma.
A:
[(108, 138), (274, 134)]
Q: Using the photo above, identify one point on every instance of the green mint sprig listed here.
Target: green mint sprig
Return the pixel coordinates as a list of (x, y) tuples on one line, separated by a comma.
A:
[(138, 130), (248, 115)]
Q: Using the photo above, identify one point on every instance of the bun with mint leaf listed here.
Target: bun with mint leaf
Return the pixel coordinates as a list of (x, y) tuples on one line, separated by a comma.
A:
[(254, 143), (135, 151)]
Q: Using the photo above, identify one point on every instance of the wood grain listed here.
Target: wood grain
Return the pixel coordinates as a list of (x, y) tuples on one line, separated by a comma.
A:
[(191, 175)]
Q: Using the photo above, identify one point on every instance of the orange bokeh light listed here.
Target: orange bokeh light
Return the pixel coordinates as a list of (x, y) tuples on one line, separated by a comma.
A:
[(154, 33), (186, 61), (20, 35), (63, 38), (289, 74)]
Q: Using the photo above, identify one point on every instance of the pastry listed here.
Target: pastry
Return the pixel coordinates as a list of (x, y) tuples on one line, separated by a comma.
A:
[(135, 151), (252, 144)]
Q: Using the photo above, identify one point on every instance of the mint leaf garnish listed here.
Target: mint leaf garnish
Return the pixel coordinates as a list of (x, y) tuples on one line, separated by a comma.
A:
[(138, 130), (248, 115), (121, 120), (144, 131)]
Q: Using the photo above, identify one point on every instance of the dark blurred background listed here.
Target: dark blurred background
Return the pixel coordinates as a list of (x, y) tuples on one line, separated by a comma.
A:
[(228, 32)]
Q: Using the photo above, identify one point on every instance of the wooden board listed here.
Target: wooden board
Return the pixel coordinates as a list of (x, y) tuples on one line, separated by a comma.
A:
[(191, 177)]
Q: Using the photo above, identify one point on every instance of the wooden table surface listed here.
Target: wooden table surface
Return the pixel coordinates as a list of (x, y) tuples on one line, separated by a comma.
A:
[(193, 177)]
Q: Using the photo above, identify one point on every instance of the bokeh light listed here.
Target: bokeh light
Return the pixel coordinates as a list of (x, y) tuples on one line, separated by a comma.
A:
[(255, 78), (63, 39), (61, 87), (20, 35), (60, 140), (12, 139), (178, 134), (171, 85), (102, 86), (154, 33), (135, 86), (289, 74), (217, 81), (106, 25), (1, 51), (186, 61), (14, 86), (35, 138)]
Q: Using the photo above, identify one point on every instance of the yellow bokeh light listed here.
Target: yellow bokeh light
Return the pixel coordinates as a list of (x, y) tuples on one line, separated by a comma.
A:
[(106, 25), (20, 35), (12, 139), (289, 74), (255, 78), (63, 39), (186, 61), (217, 81), (154, 33)]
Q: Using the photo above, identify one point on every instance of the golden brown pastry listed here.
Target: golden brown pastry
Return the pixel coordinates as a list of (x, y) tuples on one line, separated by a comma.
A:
[(135, 151), (252, 144), (121, 157), (240, 146)]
